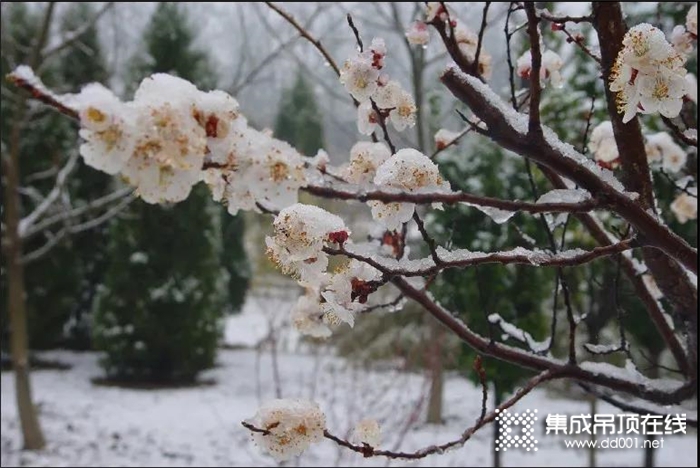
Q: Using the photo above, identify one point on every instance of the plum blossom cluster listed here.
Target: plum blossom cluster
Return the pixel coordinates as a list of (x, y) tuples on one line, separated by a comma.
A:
[(301, 233), (661, 150), (172, 136), (289, 427), (337, 298), (648, 75), (549, 70), (379, 96)]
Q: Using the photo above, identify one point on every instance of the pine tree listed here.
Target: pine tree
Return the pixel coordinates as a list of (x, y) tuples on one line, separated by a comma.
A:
[(299, 121), (159, 314)]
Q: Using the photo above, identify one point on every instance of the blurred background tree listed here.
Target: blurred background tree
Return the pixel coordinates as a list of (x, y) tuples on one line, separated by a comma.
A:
[(173, 270)]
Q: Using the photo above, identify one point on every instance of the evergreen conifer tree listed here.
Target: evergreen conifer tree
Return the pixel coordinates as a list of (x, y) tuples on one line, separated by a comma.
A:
[(159, 315)]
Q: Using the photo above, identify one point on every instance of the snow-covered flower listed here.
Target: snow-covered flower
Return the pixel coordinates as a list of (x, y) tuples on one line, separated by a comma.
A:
[(691, 21), (645, 48), (367, 432), (276, 173), (359, 77), (661, 147), (418, 33), (217, 112), (603, 146), (106, 128), (551, 63), (387, 96), (685, 208), (291, 426), (307, 316), (301, 231), (444, 138), (408, 170), (365, 158), (367, 118), (169, 143), (347, 291)]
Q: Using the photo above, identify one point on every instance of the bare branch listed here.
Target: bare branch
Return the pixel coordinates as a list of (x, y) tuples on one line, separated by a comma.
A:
[(76, 35), (26, 223), (368, 451), (452, 198), (305, 34)]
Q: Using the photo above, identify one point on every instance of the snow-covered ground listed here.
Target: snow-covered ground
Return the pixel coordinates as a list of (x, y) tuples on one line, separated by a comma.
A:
[(89, 425)]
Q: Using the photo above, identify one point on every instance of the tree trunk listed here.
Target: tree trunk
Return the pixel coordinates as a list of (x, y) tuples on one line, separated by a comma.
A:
[(436, 372), (496, 427), (592, 450), (16, 305), (649, 450)]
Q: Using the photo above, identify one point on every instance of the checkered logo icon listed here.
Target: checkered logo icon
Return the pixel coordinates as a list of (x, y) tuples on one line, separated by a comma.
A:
[(516, 430)]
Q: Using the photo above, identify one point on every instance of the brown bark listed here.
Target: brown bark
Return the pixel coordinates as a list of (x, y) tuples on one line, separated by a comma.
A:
[(436, 369), (31, 431), (669, 275)]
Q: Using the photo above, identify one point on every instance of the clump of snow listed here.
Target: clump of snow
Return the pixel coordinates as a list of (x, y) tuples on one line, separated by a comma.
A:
[(565, 196)]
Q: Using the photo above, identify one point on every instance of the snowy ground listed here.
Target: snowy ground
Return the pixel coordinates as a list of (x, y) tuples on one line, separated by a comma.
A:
[(88, 425)]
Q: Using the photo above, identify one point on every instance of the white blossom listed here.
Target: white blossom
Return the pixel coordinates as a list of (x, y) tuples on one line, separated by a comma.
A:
[(681, 40), (661, 147), (418, 33), (106, 128), (691, 87), (307, 316), (408, 170), (169, 143), (435, 10), (603, 146), (663, 93), (388, 95), (685, 208), (365, 158), (346, 292), (367, 432), (359, 77), (367, 118), (301, 231), (404, 114), (550, 65), (292, 425), (691, 20), (648, 74)]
